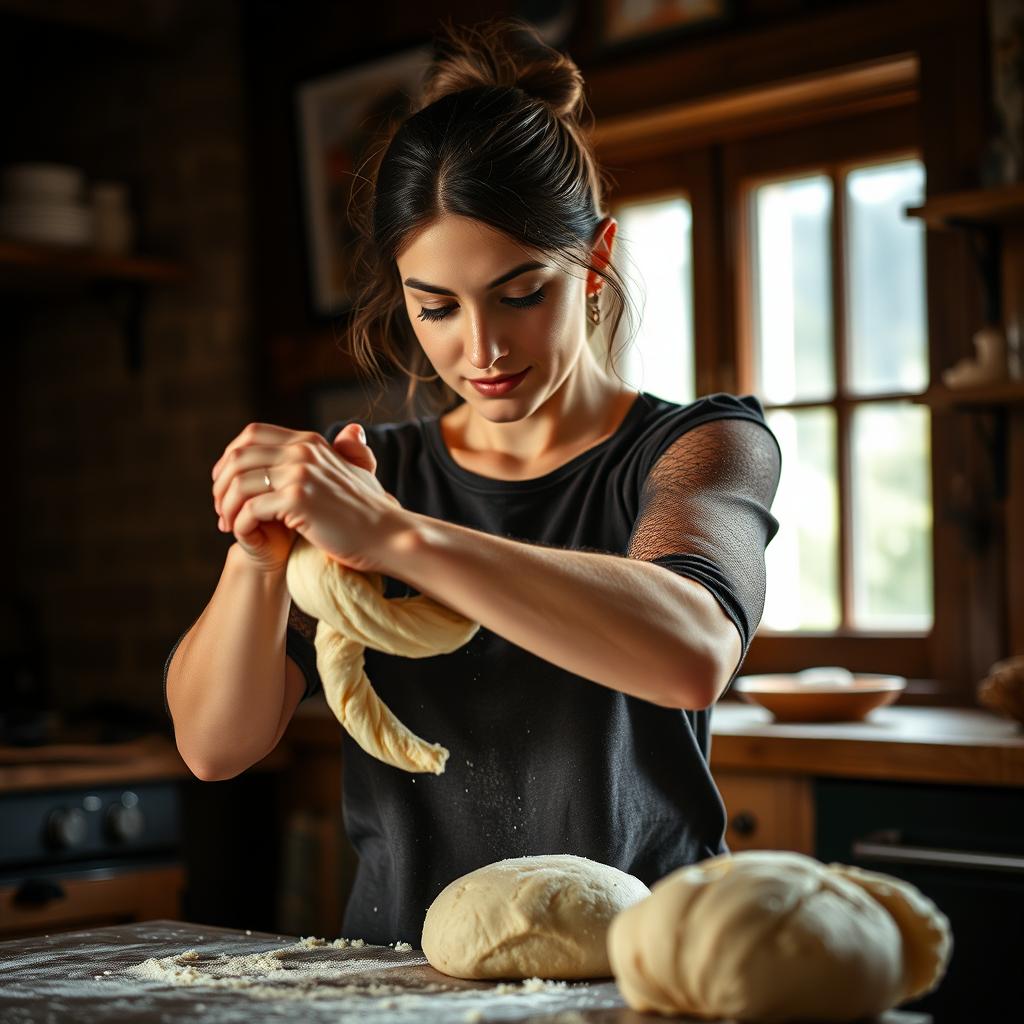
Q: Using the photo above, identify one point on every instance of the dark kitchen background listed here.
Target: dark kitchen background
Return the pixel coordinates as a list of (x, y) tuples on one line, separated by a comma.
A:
[(216, 298)]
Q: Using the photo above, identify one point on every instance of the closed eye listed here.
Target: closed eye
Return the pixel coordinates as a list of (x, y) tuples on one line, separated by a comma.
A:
[(440, 312)]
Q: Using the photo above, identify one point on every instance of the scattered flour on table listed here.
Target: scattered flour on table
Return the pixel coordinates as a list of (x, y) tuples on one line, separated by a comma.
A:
[(289, 973)]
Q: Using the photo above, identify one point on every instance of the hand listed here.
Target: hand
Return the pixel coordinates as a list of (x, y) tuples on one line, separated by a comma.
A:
[(326, 493)]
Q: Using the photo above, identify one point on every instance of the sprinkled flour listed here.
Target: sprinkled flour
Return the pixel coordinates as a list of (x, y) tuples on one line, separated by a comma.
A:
[(236, 980)]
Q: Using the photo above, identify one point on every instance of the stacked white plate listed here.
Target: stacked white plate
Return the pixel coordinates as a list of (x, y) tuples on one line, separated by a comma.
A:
[(42, 203)]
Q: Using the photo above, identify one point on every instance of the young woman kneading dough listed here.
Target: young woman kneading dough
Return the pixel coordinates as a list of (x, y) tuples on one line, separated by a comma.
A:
[(609, 543)]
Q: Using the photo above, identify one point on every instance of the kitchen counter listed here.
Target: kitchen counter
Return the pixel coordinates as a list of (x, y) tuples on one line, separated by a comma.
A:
[(922, 744), (147, 759), (218, 975)]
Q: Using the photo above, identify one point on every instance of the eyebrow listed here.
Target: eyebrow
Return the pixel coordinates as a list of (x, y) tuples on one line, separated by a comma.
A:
[(438, 289)]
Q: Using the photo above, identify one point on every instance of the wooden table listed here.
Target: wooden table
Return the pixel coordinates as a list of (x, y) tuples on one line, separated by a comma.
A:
[(84, 976)]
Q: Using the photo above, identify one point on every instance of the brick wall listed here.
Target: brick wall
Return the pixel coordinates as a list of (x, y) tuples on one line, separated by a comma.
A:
[(117, 541)]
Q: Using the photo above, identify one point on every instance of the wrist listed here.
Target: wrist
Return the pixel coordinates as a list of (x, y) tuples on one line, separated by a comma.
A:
[(238, 562), (404, 538)]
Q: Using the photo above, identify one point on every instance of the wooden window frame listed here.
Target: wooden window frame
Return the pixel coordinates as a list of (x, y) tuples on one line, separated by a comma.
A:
[(830, 149), (714, 171)]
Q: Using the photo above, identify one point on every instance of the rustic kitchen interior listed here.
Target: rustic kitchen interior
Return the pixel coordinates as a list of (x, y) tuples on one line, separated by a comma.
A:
[(827, 203)]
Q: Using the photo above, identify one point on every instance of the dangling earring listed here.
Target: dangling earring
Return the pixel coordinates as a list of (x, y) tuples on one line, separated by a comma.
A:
[(594, 308)]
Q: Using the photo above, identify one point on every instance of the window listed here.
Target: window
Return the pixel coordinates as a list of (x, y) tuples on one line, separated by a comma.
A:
[(838, 351), (655, 252), (805, 287)]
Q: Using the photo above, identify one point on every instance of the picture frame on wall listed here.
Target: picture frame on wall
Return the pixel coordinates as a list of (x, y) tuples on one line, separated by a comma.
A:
[(624, 22), (338, 116)]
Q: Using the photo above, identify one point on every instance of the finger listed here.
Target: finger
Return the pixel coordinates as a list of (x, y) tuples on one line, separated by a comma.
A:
[(351, 445), (261, 433), (238, 461), (243, 487), (262, 508)]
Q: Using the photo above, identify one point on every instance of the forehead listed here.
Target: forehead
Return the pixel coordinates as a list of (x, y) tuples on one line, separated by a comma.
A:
[(462, 249)]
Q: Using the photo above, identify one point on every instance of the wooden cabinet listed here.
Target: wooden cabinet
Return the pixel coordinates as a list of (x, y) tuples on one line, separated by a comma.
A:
[(93, 899), (767, 811)]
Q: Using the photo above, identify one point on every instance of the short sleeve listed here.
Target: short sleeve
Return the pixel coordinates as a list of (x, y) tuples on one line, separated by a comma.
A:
[(705, 510)]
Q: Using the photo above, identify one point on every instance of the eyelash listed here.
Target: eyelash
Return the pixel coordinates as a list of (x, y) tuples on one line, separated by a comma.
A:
[(521, 303)]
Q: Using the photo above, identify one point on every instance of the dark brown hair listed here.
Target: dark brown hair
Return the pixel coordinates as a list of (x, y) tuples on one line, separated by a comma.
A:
[(499, 134)]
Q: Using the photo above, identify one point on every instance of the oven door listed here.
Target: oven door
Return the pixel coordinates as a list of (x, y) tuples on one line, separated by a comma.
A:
[(963, 846)]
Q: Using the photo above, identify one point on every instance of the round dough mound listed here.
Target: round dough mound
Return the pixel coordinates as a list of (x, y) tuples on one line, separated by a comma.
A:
[(927, 938), (765, 935), (528, 917)]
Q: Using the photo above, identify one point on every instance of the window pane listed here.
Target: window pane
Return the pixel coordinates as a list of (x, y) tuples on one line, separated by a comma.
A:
[(802, 560), (892, 517), (655, 242), (792, 290), (887, 348)]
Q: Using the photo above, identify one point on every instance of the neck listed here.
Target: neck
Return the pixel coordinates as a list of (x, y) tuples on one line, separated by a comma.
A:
[(584, 407)]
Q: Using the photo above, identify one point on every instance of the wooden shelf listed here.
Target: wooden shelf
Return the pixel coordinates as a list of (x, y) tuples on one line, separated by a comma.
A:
[(1008, 392), (19, 260), (29, 270), (983, 206)]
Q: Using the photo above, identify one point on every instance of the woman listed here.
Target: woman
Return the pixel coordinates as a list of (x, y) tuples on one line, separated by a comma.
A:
[(610, 543)]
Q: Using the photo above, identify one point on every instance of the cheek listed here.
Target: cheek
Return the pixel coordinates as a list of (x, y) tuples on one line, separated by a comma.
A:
[(557, 317)]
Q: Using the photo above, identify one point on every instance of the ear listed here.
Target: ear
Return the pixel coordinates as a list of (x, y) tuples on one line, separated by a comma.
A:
[(601, 253)]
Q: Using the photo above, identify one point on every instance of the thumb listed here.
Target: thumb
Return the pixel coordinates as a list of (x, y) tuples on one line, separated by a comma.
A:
[(350, 444)]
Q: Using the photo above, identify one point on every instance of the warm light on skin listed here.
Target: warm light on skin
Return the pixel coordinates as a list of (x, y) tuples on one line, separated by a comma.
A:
[(486, 334)]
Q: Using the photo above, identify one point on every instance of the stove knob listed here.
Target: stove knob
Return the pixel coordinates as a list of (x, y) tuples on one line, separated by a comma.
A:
[(125, 824), (66, 828)]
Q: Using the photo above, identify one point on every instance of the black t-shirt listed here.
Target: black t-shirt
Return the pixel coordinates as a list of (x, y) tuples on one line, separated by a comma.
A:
[(544, 761)]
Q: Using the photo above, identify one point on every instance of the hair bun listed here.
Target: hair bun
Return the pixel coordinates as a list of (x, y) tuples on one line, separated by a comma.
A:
[(507, 52)]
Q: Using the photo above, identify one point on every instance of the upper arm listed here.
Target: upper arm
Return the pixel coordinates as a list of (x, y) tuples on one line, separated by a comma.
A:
[(704, 514), (294, 690)]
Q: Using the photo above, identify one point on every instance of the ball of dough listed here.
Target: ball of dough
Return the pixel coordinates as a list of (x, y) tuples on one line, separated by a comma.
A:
[(927, 938), (767, 936), (527, 917)]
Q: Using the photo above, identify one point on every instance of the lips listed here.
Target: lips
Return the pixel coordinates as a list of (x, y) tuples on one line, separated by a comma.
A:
[(495, 380), (495, 386)]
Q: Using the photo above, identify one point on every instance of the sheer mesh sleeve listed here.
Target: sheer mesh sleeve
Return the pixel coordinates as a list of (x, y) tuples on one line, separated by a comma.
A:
[(705, 513), (298, 645)]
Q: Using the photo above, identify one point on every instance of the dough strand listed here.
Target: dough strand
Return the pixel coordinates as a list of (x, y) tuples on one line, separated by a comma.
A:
[(353, 614)]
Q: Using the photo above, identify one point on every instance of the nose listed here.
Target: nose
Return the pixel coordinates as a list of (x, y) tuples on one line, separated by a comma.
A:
[(484, 347)]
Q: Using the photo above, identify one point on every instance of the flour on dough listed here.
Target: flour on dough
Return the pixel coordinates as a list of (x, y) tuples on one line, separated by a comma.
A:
[(528, 917)]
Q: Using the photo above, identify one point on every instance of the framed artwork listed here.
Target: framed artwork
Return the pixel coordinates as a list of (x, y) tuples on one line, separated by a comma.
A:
[(628, 21), (338, 116)]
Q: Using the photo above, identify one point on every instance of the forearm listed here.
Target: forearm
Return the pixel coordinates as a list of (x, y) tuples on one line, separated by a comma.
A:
[(626, 624), (225, 684)]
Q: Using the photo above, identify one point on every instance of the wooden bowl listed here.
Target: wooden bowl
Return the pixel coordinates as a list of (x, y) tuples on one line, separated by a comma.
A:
[(818, 696)]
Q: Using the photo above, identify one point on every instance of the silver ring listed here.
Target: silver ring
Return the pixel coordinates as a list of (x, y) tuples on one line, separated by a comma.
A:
[(266, 480)]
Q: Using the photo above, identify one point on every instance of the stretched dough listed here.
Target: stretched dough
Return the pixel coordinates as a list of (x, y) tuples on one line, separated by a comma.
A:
[(527, 917), (353, 615), (766, 936)]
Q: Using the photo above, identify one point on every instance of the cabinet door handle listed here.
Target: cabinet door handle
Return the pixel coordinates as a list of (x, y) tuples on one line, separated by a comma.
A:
[(744, 824), (885, 847), (37, 892)]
